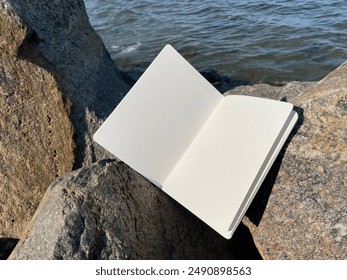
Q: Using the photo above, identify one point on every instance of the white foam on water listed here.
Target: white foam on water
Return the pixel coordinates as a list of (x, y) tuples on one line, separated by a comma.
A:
[(131, 48)]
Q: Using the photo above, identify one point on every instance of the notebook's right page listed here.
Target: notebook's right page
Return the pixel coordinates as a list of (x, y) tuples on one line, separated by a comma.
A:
[(218, 170)]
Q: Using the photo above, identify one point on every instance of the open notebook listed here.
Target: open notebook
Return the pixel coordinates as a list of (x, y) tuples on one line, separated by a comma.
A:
[(209, 152)]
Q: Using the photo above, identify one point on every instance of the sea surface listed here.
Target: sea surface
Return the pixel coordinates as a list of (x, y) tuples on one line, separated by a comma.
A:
[(254, 41)]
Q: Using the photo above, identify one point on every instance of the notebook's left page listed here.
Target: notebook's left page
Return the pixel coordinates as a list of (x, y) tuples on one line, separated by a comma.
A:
[(158, 119)]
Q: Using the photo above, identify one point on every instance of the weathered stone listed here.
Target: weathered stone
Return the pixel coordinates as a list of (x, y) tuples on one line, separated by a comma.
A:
[(36, 135), (220, 82), (61, 40), (57, 84), (286, 92), (108, 211), (305, 216)]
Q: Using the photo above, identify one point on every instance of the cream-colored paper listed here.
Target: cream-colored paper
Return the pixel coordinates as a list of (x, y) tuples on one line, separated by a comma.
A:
[(225, 160), (157, 120), (209, 152)]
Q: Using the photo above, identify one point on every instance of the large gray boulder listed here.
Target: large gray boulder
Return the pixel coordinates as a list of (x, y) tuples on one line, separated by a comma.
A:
[(57, 84), (108, 211), (300, 211), (60, 39), (36, 134)]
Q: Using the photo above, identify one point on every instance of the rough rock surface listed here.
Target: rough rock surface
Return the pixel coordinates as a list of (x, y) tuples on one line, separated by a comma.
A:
[(108, 211), (304, 198), (61, 40), (57, 84), (36, 135)]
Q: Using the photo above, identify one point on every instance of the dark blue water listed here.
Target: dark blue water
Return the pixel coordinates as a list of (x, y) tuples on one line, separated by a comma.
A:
[(266, 41)]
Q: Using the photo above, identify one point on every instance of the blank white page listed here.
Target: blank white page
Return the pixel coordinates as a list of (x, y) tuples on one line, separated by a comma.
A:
[(158, 119), (213, 177)]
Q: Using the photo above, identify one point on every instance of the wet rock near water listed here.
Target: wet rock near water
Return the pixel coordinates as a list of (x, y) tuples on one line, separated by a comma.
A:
[(220, 82)]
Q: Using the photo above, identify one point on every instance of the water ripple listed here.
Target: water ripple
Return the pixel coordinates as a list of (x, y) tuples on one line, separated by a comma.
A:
[(269, 41)]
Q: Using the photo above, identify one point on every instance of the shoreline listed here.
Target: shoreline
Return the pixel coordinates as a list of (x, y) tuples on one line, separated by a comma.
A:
[(65, 197), (220, 82), (225, 84)]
